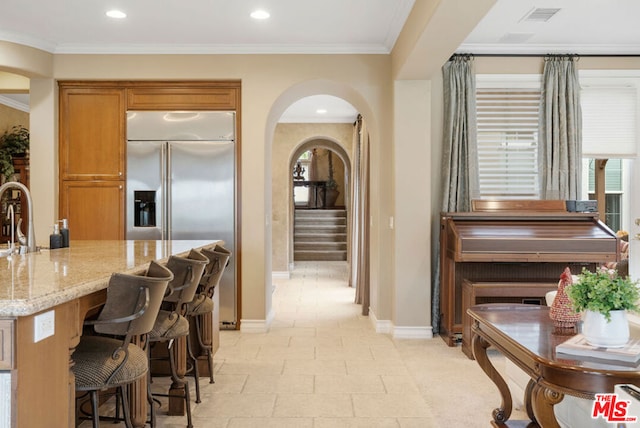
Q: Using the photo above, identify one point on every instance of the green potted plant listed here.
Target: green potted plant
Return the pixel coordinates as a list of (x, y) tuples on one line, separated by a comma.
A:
[(604, 297), (13, 142)]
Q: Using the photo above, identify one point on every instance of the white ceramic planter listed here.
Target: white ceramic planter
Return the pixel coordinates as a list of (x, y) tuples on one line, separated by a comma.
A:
[(599, 332)]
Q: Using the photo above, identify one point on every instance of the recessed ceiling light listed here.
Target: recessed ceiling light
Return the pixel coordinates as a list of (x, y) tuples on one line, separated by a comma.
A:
[(260, 14), (118, 14), (321, 111)]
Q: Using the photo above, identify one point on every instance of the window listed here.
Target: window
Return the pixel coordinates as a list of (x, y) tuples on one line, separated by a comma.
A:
[(507, 139), (301, 193), (609, 131), (507, 120), (614, 181)]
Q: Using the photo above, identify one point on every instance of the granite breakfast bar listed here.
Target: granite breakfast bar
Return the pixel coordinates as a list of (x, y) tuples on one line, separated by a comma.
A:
[(53, 291)]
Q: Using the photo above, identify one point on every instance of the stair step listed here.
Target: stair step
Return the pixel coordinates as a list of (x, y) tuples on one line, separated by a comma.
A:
[(320, 212), (319, 255), (320, 246), (321, 221), (320, 237), (321, 228)]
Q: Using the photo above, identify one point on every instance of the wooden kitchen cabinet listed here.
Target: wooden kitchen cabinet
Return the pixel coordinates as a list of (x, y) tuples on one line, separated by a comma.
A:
[(92, 159), (202, 96), (95, 209), (92, 133), (92, 142)]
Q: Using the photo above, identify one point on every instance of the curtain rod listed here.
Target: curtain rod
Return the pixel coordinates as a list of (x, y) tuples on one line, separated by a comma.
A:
[(544, 55)]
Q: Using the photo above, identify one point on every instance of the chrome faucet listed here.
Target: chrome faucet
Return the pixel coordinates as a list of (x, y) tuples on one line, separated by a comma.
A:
[(31, 236), (11, 216)]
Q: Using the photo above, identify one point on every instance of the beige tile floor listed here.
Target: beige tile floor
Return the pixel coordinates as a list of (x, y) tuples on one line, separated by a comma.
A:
[(322, 365)]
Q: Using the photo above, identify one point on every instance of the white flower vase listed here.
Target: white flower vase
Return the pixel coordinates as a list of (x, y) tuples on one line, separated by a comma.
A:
[(612, 334)]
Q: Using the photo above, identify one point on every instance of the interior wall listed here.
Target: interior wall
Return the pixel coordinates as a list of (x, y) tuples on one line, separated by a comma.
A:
[(270, 83), (287, 139), (412, 297), (10, 117)]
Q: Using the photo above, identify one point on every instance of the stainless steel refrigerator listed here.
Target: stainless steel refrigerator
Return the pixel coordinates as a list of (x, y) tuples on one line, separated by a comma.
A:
[(181, 184)]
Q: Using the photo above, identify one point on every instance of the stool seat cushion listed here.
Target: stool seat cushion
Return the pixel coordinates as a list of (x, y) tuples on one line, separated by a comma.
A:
[(200, 305), (95, 363), (169, 325)]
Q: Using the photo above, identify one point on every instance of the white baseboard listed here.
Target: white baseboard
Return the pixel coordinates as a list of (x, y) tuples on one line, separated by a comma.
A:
[(380, 326), (413, 332), (387, 327), (281, 275), (257, 326)]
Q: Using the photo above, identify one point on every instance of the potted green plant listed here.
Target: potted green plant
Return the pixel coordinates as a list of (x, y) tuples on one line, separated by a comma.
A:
[(604, 297), (13, 142)]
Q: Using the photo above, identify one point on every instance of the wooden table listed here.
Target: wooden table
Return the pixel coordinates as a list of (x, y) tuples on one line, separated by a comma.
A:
[(524, 335)]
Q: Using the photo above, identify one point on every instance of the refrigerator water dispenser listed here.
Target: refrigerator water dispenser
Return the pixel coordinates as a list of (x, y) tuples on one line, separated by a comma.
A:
[(144, 208)]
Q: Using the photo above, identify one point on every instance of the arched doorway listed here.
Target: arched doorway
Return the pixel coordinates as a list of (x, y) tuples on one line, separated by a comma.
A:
[(280, 223), (290, 140), (319, 230)]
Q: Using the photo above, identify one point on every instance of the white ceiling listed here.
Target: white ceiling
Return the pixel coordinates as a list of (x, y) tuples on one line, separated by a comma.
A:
[(205, 26), (297, 26), (581, 26)]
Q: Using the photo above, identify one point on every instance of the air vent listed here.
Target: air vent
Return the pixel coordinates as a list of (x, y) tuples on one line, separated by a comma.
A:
[(539, 14)]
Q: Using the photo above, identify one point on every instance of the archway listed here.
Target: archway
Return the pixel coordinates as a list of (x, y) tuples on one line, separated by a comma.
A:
[(337, 148), (289, 96)]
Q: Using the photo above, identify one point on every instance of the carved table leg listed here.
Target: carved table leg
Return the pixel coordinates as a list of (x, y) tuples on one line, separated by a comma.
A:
[(527, 400), (479, 346), (543, 400)]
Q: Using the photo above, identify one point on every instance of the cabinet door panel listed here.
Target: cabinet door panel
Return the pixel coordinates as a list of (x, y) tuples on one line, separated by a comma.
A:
[(182, 98), (95, 209), (92, 133)]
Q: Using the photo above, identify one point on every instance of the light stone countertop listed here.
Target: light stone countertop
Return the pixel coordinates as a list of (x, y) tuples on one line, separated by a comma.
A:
[(33, 282)]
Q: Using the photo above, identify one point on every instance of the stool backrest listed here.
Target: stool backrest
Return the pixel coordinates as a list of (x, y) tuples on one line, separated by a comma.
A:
[(187, 272), (133, 301), (218, 260)]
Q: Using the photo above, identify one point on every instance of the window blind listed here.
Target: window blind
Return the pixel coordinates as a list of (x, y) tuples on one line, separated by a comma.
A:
[(609, 116), (507, 122)]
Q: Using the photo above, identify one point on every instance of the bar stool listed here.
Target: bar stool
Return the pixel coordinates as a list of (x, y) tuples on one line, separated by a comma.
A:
[(101, 363), (171, 323), (203, 304)]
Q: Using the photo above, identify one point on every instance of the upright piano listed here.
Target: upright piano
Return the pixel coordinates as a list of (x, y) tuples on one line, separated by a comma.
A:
[(512, 249)]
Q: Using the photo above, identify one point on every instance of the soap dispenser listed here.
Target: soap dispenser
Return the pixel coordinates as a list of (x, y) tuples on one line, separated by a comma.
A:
[(55, 239), (64, 231)]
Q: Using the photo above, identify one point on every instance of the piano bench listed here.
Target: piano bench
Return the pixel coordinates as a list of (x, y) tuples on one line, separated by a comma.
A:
[(483, 291)]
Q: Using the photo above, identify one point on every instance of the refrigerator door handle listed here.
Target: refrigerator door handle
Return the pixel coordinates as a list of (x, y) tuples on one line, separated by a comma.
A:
[(166, 190)]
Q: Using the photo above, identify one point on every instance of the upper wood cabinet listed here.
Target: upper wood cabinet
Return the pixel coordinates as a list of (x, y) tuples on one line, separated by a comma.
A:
[(182, 98), (92, 133)]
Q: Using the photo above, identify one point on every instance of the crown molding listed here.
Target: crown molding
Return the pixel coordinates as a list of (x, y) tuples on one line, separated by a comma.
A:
[(10, 102), (542, 49)]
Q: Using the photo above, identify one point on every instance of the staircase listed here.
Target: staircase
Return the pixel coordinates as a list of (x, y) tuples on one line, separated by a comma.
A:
[(320, 235)]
